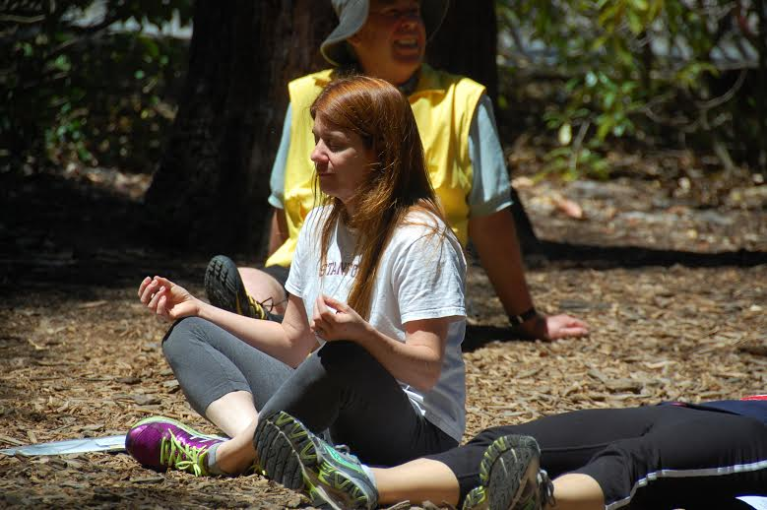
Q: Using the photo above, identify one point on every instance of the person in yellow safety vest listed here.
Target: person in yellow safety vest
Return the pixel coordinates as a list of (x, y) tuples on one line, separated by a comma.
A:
[(387, 39)]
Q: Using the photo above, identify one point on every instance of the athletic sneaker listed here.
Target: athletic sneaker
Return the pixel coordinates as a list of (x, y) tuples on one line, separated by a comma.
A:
[(295, 457), (511, 478), (162, 443), (225, 289)]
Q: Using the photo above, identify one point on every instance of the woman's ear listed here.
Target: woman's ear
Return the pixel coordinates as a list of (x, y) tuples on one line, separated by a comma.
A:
[(354, 39)]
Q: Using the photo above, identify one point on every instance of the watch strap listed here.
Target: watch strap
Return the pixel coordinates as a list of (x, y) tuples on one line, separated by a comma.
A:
[(517, 320)]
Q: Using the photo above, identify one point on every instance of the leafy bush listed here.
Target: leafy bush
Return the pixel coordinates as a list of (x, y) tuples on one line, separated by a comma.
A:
[(78, 86), (662, 72)]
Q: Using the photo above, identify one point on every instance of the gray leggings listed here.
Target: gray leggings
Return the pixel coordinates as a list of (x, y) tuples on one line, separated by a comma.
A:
[(340, 388)]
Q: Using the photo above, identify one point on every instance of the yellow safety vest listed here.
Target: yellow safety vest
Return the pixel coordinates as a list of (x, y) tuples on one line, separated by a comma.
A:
[(443, 105)]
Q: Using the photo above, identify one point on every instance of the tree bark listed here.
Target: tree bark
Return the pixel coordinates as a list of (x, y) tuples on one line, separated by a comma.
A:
[(467, 45), (210, 190), (211, 187)]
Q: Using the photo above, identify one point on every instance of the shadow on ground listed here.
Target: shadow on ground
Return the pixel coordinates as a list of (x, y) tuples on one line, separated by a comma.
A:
[(607, 257), (58, 232)]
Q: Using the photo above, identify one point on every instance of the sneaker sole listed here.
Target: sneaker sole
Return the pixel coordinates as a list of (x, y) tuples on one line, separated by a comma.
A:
[(284, 450), (223, 285), (506, 465), (289, 456), (476, 499)]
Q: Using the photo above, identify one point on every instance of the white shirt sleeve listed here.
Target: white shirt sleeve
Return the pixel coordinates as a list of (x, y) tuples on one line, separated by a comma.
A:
[(277, 179), (429, 277), (300, 266)]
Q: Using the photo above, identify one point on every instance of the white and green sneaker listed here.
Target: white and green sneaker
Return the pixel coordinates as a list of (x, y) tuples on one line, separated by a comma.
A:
[(510, 477), (298, 459)]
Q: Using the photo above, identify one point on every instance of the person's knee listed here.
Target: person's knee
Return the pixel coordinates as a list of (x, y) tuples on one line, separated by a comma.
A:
[(619, 465), (176, 340), (343, 351), (349, 359)]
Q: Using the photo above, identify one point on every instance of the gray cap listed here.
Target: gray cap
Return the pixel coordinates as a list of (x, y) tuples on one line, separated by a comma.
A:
[(352, 14)]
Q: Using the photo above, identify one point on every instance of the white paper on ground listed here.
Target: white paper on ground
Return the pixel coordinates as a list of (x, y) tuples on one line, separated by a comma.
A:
[(90, 444), (758, 502)]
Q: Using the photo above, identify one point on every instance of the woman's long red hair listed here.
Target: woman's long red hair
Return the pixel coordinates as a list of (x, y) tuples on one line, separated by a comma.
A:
[(381, 115)]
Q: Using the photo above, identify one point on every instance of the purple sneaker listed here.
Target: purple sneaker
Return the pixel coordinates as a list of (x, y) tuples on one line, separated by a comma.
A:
[(162, 443)]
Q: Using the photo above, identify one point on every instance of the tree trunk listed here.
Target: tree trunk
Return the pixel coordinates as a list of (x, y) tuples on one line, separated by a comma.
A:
[(210, 190), (467, 44)]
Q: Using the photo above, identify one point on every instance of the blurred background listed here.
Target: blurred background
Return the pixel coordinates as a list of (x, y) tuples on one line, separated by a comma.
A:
[(158, 121)]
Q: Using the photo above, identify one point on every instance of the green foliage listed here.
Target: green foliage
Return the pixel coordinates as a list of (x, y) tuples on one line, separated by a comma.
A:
[(572, 164), (81, 85), (640, 70)]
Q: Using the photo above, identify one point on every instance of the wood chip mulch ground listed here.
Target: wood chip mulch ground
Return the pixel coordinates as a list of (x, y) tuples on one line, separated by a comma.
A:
[(79, 357)]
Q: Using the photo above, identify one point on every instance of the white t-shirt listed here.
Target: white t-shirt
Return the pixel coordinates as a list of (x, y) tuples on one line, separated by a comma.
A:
[(421, 275)]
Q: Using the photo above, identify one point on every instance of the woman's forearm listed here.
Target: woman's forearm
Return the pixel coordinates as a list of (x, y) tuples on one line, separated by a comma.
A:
[(415, 362), (269, 337)]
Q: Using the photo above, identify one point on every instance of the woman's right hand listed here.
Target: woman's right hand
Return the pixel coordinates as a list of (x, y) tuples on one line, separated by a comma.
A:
[(166, 299), (335, 320)]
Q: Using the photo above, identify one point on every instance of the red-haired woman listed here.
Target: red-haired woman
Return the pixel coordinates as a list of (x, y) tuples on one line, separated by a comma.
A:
[(378, 279)]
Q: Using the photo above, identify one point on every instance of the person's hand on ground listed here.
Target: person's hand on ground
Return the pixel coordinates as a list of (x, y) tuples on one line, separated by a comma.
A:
[(334, 320), (166, 299), (554, 327)]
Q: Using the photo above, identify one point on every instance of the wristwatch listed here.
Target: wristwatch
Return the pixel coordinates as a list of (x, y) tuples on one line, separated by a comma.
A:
[(517, 320)]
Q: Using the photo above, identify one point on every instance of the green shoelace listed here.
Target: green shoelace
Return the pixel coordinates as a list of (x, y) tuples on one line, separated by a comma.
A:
[(174, 453)]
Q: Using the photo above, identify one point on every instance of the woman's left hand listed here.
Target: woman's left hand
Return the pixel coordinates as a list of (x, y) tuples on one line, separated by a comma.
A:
[(553, 327), (334, 320), (168, 300)]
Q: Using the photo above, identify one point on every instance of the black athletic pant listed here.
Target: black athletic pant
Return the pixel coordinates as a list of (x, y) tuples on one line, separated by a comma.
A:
[(656, 457)]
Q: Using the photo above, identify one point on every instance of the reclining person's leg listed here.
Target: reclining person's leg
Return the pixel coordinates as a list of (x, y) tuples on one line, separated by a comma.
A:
[(687, 457)]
